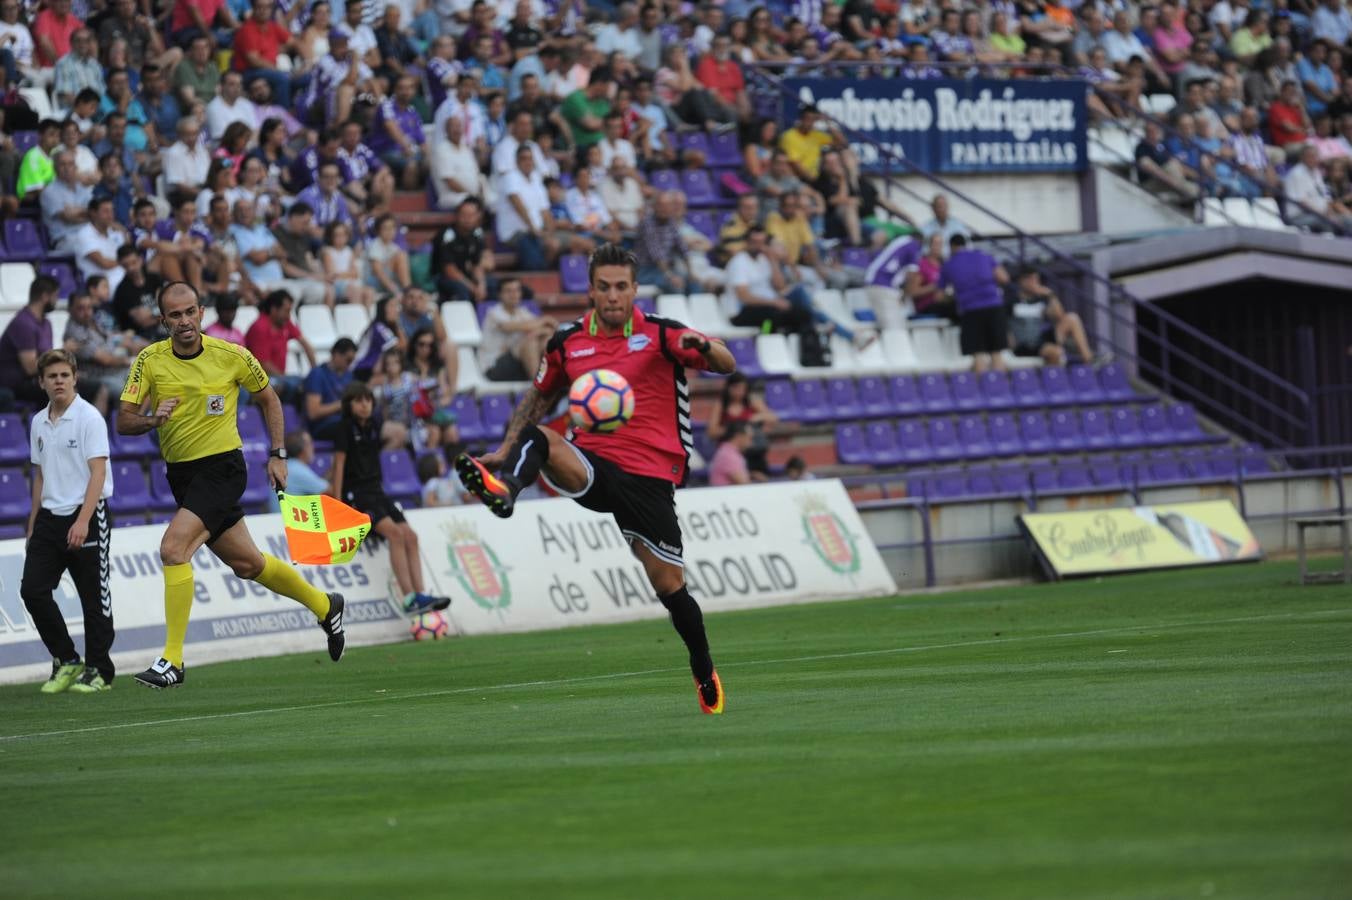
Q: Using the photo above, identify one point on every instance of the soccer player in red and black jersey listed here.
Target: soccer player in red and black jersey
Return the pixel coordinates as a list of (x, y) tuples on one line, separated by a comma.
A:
[(631, 473)]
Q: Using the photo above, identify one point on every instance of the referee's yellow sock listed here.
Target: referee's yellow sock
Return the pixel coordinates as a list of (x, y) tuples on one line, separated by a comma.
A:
[(283, 579), (177, 606)]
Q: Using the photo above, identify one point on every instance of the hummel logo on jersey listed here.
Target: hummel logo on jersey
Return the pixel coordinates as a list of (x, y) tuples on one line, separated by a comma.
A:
[(70, 443), (582, 351)]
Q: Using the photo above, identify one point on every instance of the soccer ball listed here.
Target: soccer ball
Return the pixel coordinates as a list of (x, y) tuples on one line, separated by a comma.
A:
[(600, 400), (429, 626)]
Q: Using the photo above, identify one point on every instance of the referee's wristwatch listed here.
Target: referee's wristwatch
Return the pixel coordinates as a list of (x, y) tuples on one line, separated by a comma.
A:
[(278, 452)]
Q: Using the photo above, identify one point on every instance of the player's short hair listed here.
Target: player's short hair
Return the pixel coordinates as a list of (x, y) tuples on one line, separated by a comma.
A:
[(357, 390), (55, 358), (611, 255)]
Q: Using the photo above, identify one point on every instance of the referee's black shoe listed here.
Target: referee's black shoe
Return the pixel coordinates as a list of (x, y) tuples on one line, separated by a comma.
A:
[(495, 493), (333, 627), (163, 674)]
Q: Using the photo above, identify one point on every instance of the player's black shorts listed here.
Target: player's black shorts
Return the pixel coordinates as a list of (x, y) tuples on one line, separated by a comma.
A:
[(210, 489), (376, 505), (643, 507), (983, 331)]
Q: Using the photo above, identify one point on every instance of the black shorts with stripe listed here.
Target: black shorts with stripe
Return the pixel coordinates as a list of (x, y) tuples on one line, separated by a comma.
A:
[(210, 488), (643, 507)]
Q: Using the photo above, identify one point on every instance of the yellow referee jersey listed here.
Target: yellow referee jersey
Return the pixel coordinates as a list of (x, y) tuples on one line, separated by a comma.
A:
[(207, 385)]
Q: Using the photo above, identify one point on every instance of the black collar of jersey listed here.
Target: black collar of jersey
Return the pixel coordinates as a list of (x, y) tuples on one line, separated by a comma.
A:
[(201, 346)]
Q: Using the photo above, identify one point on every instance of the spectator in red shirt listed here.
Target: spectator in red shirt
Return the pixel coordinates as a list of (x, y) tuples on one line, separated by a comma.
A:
[(718, 72), (256, 46), (268, 337), (1287, 122), (192, 18), (51, 33)]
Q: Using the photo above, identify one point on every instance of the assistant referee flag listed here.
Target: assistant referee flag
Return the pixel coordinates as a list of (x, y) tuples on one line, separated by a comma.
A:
[(320, 530)]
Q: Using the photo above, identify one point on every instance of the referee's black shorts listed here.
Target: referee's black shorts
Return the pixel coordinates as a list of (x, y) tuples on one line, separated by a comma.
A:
[(643, 507), (376, 505), (210, 488)]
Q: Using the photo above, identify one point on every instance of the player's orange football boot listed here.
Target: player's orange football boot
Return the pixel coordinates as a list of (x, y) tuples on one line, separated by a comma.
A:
[(710, 695), (495, 493)]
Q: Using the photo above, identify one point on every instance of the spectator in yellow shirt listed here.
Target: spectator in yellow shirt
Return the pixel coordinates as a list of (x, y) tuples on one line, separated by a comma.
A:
[(789, 226), (804, 143)]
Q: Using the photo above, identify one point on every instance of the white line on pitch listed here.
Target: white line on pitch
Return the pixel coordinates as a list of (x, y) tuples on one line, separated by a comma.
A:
[(556, 682)]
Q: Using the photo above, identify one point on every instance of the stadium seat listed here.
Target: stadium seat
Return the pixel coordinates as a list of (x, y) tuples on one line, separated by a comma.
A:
[(665, 180), (880, 438), (697, 141), (850, 447), (905, 395), (252, 431), (856, 257), (1104, 472), (15, 496), (1238, 211), (946, 484), (873, 397), (161, 497), (812, 402), (1097, 430), (843, 398), (350, 319), (1163, 467), (773, 352), (1195, 462), (316, 323), (1267, 214), (1073, 477), (1012, 480), (1065, 432), (1127, 428), (1036, 433), (495, 412), (461, 323), (1085, 385), (468, 419), (1116, 388), (995, 391), (943, 439), (929, 350), (703, 222), (935, 393), (674, 306), (699, 189), (900, 350), (781, 399), (247, 315), (913, 442), (1056, 385), (707, 315), (399, 475), (724, 151), (1184, 427), (68, 282), (24, 141), (470, 378), (59, 318), (1027, 388), (23, 240), (15, 280), (257, 491), (292, 420), (13, 440), (1155, 429), (974, 437), (1159, 104), (1004, 434), (1043, 477), (573, 273), (743, 350), (1213, 213), (981, 483), (869, 360), (1253, 460), (966, 391), (322, 465), (135, 446)]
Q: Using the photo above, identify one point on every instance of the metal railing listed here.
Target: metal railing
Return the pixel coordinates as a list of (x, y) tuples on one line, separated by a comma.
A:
[(1283, 403)]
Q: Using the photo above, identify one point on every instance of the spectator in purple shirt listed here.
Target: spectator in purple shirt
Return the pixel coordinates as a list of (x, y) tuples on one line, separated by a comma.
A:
[(365, 175), (305, 169), (181, 243), (442, 70), (976, 280), (28, 336), (397, 134), (325, 198)]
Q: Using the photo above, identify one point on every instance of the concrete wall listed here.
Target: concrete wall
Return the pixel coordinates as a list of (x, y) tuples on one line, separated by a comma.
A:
[(994, 549), (1123, 207), (1042, 204)]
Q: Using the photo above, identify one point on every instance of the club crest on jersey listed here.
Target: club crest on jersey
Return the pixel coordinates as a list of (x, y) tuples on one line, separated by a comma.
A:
[(216, 404), (638, 342), (540, 372), (581, 351)]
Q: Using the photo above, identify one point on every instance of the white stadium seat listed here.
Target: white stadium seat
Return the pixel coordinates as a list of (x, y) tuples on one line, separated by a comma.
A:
[(316, 323), (38, 101), (900, 350), (245, 317), (707, 315), (933, 354), (674, 306), (15, 280), (469, 379), (1266, 214), (775, 358), (58, 318), (462, 323), (350, 320), (1213, 212), (1239, 211)]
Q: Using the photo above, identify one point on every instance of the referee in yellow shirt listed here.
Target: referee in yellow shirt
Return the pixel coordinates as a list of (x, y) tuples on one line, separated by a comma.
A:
[(192, 383)]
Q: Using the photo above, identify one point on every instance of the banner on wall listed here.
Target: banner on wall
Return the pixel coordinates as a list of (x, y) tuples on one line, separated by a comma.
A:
[(553, 564), (1102, 541), (955, 125)]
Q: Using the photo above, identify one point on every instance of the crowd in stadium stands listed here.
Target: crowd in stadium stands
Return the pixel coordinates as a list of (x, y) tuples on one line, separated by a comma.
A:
[(253, 149)]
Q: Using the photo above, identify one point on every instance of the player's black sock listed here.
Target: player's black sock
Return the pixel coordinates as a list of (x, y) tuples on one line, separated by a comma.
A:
[(689, 622), (527, 456)]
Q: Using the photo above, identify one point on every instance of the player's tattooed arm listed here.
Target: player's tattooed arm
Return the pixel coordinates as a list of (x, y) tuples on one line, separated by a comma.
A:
[(534, 406)]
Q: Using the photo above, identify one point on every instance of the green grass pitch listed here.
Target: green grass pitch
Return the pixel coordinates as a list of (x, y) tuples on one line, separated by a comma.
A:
[(1159, 735)]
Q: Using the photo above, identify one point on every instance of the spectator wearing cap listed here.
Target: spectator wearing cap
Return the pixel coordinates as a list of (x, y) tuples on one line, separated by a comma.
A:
[(397, 134), (227, 306)]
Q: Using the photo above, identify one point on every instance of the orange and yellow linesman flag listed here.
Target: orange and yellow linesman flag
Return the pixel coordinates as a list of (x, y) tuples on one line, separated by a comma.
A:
[(320, 530)]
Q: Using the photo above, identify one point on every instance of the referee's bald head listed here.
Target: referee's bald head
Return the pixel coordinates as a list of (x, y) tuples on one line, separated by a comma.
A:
[(178, 291)]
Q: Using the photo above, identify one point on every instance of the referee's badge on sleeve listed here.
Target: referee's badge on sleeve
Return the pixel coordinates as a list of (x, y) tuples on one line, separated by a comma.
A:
[(215, 404)]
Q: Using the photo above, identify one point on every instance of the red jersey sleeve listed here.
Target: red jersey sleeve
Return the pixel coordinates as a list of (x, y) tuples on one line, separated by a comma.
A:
[(686, 356), (551, 377)]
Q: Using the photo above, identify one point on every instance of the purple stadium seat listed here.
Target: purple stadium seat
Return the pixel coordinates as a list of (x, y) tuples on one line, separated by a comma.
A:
[(1085, 384), (13, 440), (1027, 388), (24, 141), (843, 398), (1073, 477), (873, 398), (161, 497), (699, 189), (1127, 428), (1105, 473), (665, 180), (974, 438), (943, 439), (1223, 462), (1116, 388), (1011, 480), (966, 392), (1036, 435), (850, 448), (946, 484), (724, 152), (912, 442), (981, 483), (12, 530), (881, 440), (1066, 434), (744, 351), (693, 140), (1163, 467), (1133, 468), (130, 446), (1098, 433), (130, 493), (16, 497), (935, 393), (780, 398), (257, 489), (23, 240), (322, 464), (467, 418), (68, 282), (291, 419), (996, 391), (1254, 460), (1196, 464), (703, 222), (573, 273), (812, 402), (1056, 385), (905, 395), (494, 412), (1155, 425), (1004, 432), (252, 430), (399, 475), (1184, 427), (1044, 477), (856, 257)]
